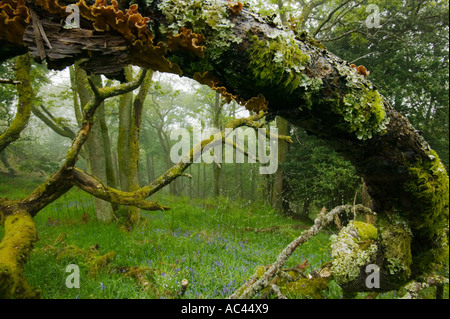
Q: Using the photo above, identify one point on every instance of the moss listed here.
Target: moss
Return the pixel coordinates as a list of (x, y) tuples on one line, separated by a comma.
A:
[(352, 248), (99, 262), (260, 270), (366, 231), (208, 18), (396, 249), (15, 247), (89, 259), (278, 60), (305, 288), (428, 217)]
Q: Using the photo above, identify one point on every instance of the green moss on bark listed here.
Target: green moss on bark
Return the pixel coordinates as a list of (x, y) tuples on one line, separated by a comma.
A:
[(15, 247), (429, 191), (395, 237)]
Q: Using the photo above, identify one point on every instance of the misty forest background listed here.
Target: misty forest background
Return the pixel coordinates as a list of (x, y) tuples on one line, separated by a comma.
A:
[(225, 220)]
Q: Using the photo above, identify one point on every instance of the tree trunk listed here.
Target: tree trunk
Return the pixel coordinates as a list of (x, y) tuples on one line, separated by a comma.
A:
[(5, 162), (216, 166), (24, 104), (278, 185), (95, 144), (123, 138), (128, 146)]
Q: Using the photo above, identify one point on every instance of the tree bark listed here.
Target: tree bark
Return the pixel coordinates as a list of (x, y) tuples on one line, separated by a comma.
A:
[(278, 185), (24, 104), (128, 146), (95, 144), (217, 110)]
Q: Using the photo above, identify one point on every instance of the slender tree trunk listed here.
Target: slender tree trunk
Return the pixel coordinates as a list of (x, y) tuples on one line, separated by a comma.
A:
[(134, 145), (5, 162), (24, 103), (217, 108), (95, 143), (123, 137), (277, 188), (107, 149)]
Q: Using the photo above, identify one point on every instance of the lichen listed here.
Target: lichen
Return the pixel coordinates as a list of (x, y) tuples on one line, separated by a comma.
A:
[(278, 60), (363, 112), (352, 248), (209, 18)]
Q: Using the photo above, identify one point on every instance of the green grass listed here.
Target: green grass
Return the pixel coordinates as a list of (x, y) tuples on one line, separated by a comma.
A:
[(212, 243), (204, 242)]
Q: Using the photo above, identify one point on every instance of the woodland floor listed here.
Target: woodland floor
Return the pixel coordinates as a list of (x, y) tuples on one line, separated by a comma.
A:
[(216, 244)]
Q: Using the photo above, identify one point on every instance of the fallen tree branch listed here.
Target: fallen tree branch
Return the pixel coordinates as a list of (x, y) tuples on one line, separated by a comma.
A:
[(95, 187)]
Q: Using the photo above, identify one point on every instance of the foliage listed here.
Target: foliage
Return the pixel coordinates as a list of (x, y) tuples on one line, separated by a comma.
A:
[(316, 175)]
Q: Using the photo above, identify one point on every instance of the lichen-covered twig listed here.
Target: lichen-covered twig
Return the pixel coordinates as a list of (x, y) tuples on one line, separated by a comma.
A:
[(413, 288), (256, 284)]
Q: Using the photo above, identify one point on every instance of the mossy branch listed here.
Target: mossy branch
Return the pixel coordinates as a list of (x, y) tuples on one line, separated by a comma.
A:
[(24, 105), (59, 182), (18, 241), (95, 187)]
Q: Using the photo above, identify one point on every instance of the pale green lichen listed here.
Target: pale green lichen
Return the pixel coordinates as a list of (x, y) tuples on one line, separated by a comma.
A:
[(351, 249), (363, 113), (362, 106), (279, 60), (205, 17)]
